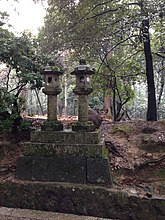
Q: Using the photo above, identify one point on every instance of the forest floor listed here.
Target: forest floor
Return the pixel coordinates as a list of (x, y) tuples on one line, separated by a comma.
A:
[(136, 151)]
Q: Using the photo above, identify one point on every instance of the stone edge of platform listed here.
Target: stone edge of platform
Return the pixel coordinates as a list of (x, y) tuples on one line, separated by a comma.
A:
[(16, 213)]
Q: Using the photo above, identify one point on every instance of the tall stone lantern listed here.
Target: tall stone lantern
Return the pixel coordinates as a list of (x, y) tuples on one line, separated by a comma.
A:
[(52, 89), (83, 89)]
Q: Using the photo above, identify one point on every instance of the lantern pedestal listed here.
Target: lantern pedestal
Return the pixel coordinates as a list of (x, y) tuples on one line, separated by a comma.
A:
[(83, 124), (65, 156), (52, 123), (52, 126)]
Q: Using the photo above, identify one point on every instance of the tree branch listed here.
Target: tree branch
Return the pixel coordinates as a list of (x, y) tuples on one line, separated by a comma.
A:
[(104, 12), (100, 4), (159, 55)]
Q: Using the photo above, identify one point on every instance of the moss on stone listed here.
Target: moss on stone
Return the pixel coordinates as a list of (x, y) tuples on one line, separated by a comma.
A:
[(52, 126), (66, 137), (105, 153), (83, 126), (90, 200), (50, 149), (121, 128)]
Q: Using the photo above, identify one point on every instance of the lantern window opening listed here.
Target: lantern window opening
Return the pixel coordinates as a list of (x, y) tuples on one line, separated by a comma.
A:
[(82, 79), (49, 80)]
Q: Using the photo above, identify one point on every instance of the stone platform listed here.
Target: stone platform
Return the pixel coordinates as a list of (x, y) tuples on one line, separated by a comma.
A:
[(65, 156), (80, 199)]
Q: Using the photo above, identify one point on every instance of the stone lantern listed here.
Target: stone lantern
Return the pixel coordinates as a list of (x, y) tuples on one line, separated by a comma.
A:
[(52, 89), (83, 89)]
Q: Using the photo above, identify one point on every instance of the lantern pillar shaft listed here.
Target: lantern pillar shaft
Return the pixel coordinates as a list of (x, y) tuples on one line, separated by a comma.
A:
[(83, 108), (52, 107)]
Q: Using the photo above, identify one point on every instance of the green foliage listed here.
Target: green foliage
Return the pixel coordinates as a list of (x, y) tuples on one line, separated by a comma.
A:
[(25, 125), (22, 65), (108, 34), (5, 125)]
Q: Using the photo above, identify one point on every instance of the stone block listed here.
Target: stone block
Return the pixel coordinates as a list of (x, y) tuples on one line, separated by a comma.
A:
[(61, 150), (66, 137), (24, 168), (67, 169), (83, 126), (98, 171), (61, 169), (52, 126), (40, 168), (64, 169)]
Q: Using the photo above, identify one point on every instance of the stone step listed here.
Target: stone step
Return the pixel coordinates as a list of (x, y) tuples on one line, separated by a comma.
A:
[(80, 199), (27, 214), (64, 169), (64, 150), (66, 137)]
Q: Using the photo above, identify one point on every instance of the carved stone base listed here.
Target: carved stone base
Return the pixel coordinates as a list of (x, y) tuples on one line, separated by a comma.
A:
[(83, 126), (52, 126), (64, 169)]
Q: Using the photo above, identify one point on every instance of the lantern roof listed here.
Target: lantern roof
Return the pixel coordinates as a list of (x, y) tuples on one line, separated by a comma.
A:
[(83, 68), (51, 68)]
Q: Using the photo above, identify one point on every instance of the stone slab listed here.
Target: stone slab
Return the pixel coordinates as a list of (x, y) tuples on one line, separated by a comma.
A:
[(64, 169), (68, 169), (98, 171), (64, 150), (24, 167), (80, 199), (66, 137)]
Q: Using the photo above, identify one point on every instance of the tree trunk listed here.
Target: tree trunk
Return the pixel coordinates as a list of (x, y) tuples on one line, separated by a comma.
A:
[(114, 100), (38, 98), (162, 83), (152, 109), (107, 104)]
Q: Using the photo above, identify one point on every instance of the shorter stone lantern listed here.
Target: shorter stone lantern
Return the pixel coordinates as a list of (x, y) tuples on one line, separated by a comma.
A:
[(52, 89), (83, 89)]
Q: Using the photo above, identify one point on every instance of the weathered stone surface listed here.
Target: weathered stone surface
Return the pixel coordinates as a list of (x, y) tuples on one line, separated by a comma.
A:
[(80, 199), (66, 137), (52, 126), (98, 171), (87, 126), (26, 214), (24, 168), (153, 143), (65, 150), (64, 169)]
